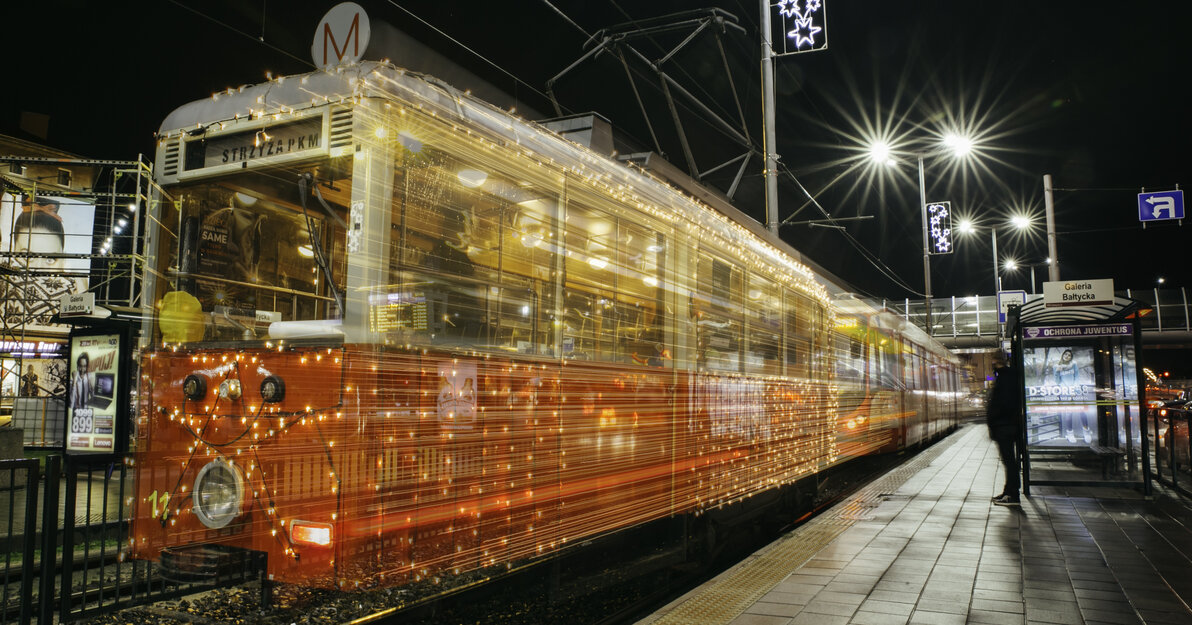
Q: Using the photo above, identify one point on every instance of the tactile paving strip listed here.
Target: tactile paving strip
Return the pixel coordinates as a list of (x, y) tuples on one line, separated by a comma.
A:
[(722, 599)]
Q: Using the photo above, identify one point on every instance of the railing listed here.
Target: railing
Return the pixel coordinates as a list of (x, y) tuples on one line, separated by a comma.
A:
[(18, 506), (977, 316), (1172, 448), (66, 544)]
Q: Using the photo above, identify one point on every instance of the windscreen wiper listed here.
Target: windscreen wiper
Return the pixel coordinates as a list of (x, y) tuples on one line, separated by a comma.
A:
[(306, 183)]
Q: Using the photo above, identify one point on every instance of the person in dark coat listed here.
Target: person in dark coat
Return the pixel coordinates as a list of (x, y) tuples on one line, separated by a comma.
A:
[(1004, 417)]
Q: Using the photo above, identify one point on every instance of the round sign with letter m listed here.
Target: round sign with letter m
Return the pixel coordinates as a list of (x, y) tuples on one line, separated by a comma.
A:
[(341, 37)]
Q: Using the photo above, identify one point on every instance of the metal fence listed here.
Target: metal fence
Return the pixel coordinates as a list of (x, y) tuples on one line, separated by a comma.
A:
[(19, 482), (1172, 447), (65, 529)]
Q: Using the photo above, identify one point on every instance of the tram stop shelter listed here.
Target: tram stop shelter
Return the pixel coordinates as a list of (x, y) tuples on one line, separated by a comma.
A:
[(1083, 394)]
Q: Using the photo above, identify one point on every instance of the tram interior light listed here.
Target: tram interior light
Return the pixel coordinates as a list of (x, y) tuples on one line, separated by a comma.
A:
[(471, 178), (409, 142)]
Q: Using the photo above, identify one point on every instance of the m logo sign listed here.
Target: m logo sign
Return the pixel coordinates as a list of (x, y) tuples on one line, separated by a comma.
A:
[(341, 37)]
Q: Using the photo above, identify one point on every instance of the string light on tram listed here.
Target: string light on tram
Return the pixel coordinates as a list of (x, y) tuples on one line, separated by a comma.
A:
[(523, 406)]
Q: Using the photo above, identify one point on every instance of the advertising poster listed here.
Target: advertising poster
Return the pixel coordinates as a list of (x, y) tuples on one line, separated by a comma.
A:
[(33, 235), (1126, 383), (456, 404), (92, 401), (1061, 395)]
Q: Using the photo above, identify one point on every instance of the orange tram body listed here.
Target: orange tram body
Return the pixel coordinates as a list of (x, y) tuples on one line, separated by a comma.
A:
[(403, 336)]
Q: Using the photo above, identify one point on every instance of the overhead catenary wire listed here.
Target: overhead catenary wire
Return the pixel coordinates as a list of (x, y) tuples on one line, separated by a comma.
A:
[(868, 255), (259, 39), (469, 50)]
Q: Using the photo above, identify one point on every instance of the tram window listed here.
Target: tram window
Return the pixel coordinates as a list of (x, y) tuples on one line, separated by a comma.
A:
[(517, 322), (640, 255), (719, 343), (639, 261), (486, 241), (528, 243), (614, 284), (590, 244), (763, 304), (890, 365), (849, 367), (801, 319), (590, 322), (716, 308), (248, 254)]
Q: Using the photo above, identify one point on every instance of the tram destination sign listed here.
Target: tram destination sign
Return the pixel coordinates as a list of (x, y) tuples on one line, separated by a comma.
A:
[(280, 142), (1078, 332)]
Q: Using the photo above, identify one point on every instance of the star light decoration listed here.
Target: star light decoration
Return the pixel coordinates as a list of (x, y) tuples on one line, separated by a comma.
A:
[(939, 220), (804, 23)]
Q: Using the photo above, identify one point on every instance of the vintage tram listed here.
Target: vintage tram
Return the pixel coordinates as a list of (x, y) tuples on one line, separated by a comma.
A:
[(402, 335)]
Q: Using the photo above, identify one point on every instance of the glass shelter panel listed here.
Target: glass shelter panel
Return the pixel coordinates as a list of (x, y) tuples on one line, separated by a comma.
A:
[(1081, 406)]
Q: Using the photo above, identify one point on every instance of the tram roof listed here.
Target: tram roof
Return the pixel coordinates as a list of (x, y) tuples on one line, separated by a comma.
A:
[(343, 83)]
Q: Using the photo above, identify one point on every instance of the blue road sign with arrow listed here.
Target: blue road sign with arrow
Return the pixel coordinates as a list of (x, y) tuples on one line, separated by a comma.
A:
[(1161, 205)]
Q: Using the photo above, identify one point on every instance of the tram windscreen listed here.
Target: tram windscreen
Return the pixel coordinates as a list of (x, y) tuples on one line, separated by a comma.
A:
[(251, 254)]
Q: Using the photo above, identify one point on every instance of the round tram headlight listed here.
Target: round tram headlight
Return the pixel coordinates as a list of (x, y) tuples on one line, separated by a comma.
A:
[(218, 492), (230, 389), (194, 387), (273, 389)]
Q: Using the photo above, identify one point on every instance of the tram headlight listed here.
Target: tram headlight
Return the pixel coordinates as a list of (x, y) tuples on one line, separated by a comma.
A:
[(218, 491), (194, 387), (273, 389)]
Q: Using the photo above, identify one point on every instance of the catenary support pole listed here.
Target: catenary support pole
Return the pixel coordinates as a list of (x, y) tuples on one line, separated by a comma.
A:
[(1053, 269), (926, 252), (997, 282), (771, 168)]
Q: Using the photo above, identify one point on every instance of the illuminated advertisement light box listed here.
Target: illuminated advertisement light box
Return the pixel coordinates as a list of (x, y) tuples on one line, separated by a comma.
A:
[(1061, 395), (95, 411)]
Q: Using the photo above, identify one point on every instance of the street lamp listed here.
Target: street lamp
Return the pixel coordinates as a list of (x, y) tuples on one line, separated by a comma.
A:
[(880, 152), (1008, 266), (1021, 222)]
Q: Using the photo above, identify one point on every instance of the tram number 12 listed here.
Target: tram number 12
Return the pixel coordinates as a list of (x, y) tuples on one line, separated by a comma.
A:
[(164, 500)]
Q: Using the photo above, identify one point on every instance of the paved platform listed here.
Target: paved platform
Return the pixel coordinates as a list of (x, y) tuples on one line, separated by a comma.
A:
[(924, 544)]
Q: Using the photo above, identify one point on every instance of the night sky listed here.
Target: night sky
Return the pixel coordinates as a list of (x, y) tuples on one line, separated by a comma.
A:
[(1094, 93)]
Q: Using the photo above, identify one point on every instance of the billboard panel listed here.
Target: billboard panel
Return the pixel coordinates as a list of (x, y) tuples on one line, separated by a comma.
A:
[(1061, 395), (36, 238), (92, 407)]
